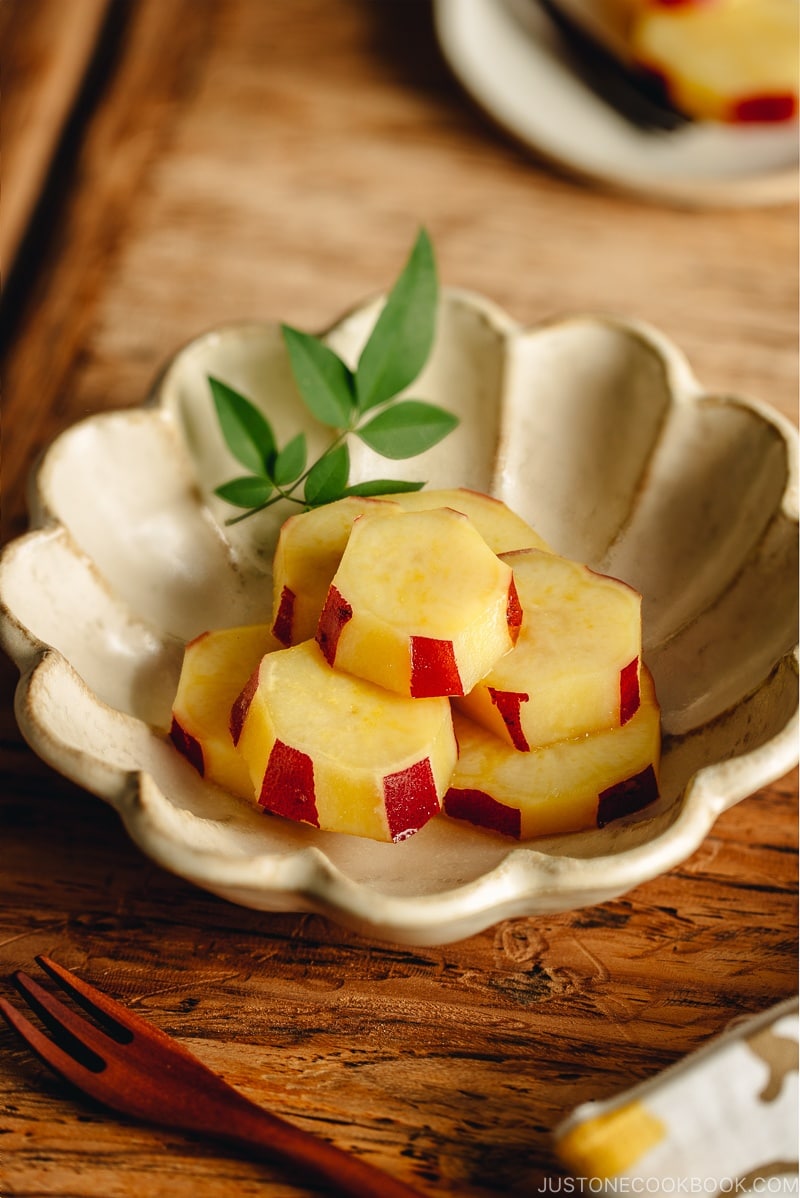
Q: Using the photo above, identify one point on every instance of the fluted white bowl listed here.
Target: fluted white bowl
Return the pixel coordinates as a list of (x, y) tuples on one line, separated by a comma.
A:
[(593, 429)]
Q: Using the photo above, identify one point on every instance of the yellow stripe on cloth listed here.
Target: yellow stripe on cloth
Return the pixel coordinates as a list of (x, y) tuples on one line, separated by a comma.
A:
[(608, 1144)]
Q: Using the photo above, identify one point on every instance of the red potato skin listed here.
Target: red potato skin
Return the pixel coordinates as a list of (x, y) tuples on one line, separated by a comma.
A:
[(513, 612), (627, 797), (335, 614), (766, 109), (629, 693), (508, 704), (287, 787), (201, 636), (242, 706), (482, 495), (623, 798), (410, 799), (188, 746), (284, 619), (477, 807), (433, 668)]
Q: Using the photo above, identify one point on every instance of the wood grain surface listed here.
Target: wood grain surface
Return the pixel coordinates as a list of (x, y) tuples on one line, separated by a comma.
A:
[(47, 54), (239, 159)]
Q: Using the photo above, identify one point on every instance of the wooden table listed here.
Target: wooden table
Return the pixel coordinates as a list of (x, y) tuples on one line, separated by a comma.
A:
[(172, 166)]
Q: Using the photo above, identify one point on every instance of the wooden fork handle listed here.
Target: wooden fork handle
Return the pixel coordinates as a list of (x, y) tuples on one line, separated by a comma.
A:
[(315, 1159)]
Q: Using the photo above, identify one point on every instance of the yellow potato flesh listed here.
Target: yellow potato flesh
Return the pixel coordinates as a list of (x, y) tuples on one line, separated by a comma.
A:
[(580, 631), (501, 529), (424, 583), (350, 737), (216, 665), (557, 788), (376, 762), (310, 547), (733, 60)]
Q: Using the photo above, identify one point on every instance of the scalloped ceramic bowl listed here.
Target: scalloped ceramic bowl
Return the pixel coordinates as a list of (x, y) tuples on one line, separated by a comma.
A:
[(593, 429)]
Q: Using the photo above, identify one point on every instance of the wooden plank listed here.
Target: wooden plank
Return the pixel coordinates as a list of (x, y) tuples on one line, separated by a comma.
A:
[(120, 144), (446, 1065), (46, 48)]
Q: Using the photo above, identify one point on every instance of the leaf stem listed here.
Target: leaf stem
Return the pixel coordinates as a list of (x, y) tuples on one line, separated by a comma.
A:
[(288, 493), (364, 401)]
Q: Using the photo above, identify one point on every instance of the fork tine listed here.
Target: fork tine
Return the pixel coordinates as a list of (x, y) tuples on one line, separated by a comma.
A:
[(120, 1023), (85, 1037), (114, 1019), (119, 1074), (46, 1049), (61, 1019)]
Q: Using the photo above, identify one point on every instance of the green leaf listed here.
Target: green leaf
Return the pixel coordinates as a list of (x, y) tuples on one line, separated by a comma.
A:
[(324, 381), (383, 486), (247, 432), (342, 399), (290, 462), (407, 428), (327, 478), (249, 491), (403, 335)]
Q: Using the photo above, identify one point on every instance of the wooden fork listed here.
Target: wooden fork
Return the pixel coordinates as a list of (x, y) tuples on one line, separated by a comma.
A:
[(133, 1067)]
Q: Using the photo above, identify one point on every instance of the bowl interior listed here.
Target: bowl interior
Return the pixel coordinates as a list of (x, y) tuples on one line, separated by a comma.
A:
[(593, 430)]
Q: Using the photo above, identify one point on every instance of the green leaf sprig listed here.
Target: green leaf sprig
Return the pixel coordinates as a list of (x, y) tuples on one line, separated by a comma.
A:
[(362, 402)]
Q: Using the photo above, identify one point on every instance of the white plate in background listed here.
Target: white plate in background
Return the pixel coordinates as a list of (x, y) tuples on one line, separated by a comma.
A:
[(511, 60)]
